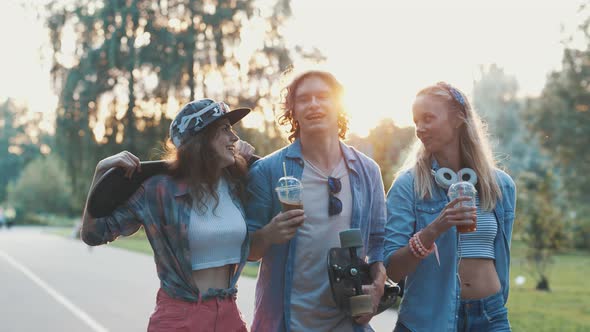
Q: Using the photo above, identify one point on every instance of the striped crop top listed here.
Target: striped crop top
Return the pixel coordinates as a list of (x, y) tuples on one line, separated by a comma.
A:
[(480, 244)]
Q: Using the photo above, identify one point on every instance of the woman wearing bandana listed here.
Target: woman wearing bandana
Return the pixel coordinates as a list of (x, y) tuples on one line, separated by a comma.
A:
[(454, 281), (193, 218)]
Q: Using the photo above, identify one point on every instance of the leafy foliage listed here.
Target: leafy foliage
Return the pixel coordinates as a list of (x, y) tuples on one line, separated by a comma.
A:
[(543, 217), (20, 142), (386, 144), (134, 62), (560, 117), (42, 187)]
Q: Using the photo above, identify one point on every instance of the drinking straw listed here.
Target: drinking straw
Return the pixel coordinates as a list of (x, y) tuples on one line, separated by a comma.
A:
[(284, 169)]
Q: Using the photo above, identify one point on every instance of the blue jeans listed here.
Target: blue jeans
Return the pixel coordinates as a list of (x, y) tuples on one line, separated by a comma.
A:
[(487, 314)]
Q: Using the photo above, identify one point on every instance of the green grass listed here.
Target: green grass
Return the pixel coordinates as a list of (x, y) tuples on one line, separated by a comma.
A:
[(565, 308)]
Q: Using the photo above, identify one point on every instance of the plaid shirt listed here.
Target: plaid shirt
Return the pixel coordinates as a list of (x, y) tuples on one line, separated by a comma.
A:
[(162, 206)]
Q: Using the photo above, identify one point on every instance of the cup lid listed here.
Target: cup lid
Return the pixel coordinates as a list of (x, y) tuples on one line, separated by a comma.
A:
[(288, 182), (463, 186)]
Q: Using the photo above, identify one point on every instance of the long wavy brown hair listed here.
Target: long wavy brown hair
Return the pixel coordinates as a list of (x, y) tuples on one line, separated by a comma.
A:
[(288, 105), (196, 163)]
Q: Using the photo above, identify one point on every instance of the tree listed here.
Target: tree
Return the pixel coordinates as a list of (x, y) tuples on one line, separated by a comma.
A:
[(386, 144), (136, 61), (495, 97), (560, 117), (544, 219), (43, 187), (20, 141)]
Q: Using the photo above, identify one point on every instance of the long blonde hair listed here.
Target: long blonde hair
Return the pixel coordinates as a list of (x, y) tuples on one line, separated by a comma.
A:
[(475, 150)]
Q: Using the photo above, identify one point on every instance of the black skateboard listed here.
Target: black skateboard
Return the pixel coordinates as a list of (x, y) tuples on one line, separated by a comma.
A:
[(348, 273), (114, 189)]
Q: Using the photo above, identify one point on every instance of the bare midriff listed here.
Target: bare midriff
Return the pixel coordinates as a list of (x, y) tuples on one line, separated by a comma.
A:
[(215, 277), (479, 278)]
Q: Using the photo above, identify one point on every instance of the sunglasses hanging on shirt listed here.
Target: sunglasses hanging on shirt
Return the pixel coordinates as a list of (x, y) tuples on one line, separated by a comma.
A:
[(334, 203)]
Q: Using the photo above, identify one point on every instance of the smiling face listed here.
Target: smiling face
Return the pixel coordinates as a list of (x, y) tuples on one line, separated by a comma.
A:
[(223, 143), (436, 124), (315, 109)]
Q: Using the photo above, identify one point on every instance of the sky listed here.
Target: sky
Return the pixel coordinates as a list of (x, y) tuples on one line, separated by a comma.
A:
[(383, 51)]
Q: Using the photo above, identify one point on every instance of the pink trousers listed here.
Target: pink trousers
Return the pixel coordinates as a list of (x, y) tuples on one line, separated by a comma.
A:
[(214, 314)]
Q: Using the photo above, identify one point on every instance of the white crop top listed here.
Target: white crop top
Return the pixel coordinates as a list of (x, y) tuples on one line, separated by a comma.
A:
[(216, 237)]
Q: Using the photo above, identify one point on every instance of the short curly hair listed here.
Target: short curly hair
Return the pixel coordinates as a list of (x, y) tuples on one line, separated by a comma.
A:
[(288, 105)]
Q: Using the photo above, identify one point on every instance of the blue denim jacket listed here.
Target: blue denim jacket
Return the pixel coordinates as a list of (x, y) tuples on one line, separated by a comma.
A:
[(432, 292), (162, 206), (273, 290)]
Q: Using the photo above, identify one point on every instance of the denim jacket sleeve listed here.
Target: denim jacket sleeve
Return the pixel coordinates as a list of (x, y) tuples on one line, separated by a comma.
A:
[(378, 216), (259, 203), (508, 189), (401, 217), (125, 220)]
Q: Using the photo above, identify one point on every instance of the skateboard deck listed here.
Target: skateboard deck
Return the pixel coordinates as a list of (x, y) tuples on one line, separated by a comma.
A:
[(348, 273), (114, 189)]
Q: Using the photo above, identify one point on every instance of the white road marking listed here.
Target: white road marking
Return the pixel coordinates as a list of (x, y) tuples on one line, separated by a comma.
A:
[(94, 325)]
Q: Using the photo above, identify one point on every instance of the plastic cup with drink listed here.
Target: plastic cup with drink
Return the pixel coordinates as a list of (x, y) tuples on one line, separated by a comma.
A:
[(464, 189), (290, 192)]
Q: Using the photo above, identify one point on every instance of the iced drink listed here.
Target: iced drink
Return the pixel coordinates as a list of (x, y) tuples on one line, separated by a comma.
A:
[(460, 189), (289, 191)]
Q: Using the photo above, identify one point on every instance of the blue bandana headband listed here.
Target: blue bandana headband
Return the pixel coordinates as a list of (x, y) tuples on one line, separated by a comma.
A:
[(457, 95)]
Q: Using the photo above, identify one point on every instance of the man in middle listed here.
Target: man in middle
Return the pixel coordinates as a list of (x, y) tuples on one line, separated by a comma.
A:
[(342, 190)]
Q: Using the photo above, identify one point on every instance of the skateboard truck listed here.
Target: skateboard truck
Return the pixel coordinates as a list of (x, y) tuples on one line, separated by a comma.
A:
[(348, 273)]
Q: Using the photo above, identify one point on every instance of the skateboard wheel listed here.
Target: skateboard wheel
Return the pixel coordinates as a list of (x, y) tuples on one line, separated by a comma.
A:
[(351, 238), (360, 305)]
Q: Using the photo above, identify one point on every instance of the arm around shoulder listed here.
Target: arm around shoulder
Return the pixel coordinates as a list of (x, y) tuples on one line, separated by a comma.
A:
[(258, 209)]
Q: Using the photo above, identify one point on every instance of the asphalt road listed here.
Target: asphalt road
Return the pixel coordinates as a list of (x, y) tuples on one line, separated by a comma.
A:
[(51, 283)]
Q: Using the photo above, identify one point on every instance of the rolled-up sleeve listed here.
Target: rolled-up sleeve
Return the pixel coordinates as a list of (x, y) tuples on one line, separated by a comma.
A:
[(259, 203), (124, 220), (401, 218), (378, 217)]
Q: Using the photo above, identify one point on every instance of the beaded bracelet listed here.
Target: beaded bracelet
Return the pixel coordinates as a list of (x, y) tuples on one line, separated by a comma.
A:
[(415, 248), (419, 250), (423, 250)]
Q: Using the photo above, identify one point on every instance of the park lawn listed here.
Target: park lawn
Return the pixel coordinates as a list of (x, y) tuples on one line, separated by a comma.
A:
[(565, 308)]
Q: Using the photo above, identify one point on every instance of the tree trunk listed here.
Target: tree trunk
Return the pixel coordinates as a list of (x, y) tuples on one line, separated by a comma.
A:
[(130, 127), (543, 284)]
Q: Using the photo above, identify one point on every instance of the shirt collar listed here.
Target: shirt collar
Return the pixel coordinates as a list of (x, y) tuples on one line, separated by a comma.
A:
[(294, 151)]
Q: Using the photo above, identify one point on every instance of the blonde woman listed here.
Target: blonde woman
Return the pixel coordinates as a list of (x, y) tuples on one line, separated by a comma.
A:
[(454, 281)]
